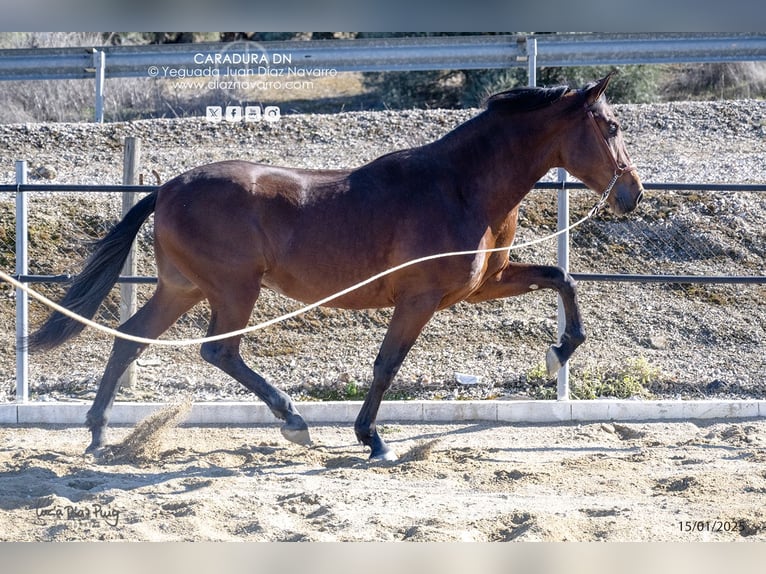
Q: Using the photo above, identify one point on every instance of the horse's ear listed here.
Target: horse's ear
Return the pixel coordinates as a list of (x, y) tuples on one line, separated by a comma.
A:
[(594, 91)]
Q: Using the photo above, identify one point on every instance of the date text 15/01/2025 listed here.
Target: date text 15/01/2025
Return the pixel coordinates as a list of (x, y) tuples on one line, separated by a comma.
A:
[(712, 525)]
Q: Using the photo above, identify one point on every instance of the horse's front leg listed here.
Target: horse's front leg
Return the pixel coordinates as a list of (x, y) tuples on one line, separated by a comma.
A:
[(408, 320), (517, 279)]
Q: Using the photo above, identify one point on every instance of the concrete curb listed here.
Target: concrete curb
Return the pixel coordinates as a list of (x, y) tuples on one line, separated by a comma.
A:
[(234, 413)]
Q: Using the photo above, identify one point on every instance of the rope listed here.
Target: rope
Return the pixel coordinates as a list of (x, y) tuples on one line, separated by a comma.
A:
[(187, 342)]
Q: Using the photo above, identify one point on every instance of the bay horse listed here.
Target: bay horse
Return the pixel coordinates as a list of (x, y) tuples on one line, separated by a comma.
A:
[(225, 230)]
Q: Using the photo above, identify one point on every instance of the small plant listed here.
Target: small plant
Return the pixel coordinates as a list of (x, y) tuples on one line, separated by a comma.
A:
[(632, 380), (539, 385), (397, 395), (349, 391), (352, 391)]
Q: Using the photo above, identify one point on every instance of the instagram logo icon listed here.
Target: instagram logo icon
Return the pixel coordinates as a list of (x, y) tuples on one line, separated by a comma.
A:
[(271, 113)]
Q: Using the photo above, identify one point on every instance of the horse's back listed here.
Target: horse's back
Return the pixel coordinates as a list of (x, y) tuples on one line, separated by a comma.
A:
[(239, 218), (309, 233)]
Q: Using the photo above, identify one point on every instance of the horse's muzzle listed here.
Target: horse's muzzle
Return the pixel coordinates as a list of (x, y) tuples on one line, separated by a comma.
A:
[(626, 204), (628, 194)]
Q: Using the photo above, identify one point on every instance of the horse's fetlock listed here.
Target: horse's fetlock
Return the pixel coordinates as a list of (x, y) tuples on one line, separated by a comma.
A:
[(94, 421), (578, 337), (364, 433)]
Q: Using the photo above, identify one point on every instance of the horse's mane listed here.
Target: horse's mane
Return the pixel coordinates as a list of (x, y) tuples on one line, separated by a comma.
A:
[(525, 99)]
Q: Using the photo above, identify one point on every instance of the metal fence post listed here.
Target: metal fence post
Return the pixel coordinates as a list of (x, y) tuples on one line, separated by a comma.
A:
[(532, 61), (128, 303), (562, 257), (99, 63), (22, 300)]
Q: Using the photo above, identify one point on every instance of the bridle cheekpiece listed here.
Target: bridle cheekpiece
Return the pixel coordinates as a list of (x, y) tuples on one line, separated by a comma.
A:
[(618, 169)]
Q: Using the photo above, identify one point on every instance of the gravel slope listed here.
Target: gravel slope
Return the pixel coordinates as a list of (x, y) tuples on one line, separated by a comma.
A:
[(687, 341)]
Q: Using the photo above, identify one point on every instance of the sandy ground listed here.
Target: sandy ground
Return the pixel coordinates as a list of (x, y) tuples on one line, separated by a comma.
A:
[(459, 482)]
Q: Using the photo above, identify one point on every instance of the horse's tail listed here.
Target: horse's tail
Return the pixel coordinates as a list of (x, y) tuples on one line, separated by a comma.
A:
[(92, 285)]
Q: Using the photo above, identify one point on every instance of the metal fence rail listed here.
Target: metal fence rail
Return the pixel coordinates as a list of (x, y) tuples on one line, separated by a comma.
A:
[(23, 188), (387, 54)]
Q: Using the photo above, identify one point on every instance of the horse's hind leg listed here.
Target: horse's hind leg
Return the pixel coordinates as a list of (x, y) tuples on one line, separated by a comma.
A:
[(153, 319), (232, 315)]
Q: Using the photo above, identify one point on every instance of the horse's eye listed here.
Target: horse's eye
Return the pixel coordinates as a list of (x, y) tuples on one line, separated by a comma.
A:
[(613, 128)]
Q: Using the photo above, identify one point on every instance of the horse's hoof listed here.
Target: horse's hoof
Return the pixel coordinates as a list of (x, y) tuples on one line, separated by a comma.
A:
[(387, 456), (298, 436), (99, 453), (95, 448), (552, 362)]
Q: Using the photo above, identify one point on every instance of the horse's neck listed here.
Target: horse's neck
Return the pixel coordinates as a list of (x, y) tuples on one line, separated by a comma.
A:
[(501, 162)]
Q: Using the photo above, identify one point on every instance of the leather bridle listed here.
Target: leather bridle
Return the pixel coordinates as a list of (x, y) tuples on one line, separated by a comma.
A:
[(619, 170)]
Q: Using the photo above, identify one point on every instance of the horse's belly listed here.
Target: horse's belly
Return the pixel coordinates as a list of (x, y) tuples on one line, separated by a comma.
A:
[(333, 293)]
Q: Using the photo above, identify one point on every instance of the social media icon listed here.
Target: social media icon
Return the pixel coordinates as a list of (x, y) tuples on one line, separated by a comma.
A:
[(233, 113), (252, 113), (213, 114), (271, 113)]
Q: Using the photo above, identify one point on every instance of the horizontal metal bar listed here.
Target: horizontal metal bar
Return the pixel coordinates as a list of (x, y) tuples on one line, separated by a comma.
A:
[(75, 188), (384, 54), (604, 277), (573, 51), (361, 55), (67, 277), (61, 278), (754, 187), (628, 278), (46, 63), (706, 186), (747, 187)]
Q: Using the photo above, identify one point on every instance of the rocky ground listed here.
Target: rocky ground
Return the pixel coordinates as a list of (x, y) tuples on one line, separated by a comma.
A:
[(646, 340)]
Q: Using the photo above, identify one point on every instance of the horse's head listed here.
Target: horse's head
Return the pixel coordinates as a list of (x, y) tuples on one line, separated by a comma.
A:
[(595, 150)]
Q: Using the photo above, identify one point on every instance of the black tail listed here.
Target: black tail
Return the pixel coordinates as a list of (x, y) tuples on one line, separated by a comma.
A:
[(92, 285)]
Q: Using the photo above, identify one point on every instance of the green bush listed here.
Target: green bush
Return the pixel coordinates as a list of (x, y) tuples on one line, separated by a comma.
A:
[(633, 84), (470, 88), (631, 380)]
